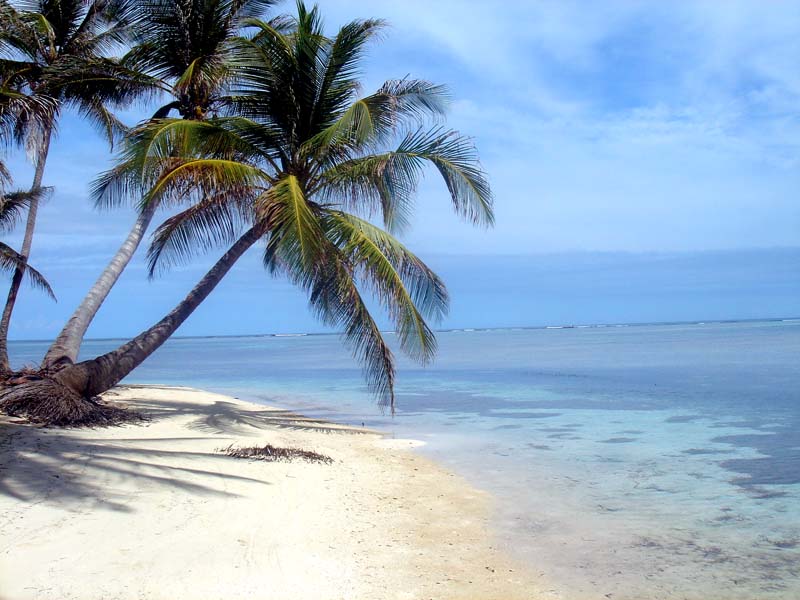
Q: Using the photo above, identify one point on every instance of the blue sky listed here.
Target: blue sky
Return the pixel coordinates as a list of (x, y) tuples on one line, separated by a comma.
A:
[(645, 158)]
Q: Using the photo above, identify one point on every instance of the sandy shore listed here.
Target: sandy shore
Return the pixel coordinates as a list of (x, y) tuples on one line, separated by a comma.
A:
[(154, 512)]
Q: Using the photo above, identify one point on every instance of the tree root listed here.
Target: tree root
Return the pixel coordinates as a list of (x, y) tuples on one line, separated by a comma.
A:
[(47, 402)]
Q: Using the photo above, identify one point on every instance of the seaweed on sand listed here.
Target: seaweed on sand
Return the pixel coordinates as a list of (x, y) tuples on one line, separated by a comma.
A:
[(273, 453)]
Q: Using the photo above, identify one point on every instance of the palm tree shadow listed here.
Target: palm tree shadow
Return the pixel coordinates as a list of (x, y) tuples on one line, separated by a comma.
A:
[(77, 471), (230, 418), (81, 473)]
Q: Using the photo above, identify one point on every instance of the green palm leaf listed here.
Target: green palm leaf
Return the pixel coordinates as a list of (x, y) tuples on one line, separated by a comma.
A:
[(296, 235), (13, 204), (192, 46), (375, 118), (11, 260), (213, 222), (340, 61), (406, 286), (155, 162), (21, 114), (389, 180), (202, 176), (335, 299)]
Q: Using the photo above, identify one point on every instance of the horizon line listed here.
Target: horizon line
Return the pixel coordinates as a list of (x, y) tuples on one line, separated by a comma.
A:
[(458, 329)]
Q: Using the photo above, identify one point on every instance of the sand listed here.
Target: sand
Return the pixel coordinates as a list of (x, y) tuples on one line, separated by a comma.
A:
[(155, 512)]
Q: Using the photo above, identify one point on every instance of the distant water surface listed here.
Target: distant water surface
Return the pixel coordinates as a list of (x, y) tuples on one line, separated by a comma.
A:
[(628, 462)]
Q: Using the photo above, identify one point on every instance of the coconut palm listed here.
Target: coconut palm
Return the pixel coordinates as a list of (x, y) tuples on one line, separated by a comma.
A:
[(192, 48), (53, 55), (302, 171)]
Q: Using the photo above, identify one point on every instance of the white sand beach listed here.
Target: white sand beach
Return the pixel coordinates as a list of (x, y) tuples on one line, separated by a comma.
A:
[(153, 511)]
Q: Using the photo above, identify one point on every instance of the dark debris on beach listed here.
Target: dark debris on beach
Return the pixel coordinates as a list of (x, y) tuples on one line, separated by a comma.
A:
[(272, 453)]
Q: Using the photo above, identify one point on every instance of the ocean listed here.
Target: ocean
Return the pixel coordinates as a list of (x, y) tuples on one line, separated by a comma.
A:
[(627, 461)]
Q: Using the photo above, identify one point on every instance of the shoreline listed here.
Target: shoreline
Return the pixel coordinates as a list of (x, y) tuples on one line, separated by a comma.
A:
[(154, 511)]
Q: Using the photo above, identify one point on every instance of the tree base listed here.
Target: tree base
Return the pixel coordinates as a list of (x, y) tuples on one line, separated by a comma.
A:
[(47, 402)]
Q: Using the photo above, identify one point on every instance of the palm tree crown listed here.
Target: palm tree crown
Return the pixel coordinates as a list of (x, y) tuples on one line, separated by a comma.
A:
[(58, 50), (192, 46)]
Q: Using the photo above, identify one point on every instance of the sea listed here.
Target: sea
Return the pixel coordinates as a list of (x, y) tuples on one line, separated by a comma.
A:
[(632, 462)]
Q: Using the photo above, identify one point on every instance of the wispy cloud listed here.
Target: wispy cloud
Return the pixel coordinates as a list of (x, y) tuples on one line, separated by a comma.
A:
[(616, 125)]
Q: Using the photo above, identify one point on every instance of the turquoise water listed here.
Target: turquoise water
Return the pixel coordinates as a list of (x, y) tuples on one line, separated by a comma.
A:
[(636, 462)]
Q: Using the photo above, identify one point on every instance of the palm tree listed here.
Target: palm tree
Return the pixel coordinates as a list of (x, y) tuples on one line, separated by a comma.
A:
[(302, 166), (192, 48), (52, 54)]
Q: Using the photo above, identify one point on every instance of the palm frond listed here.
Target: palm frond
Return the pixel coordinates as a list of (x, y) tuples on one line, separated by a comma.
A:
[(190, 44), (379, 183), (11, 260), (456, 160), (341, 57), (265, 89), (374, 119), (13, 204), (298, 248), (196, 178), (391, 178), (280, 25), (19, 33), (154, 152), (24, 115), (335, 299), (213, 222), (93, 85), (97, 113), (54, 52), (296, 235), (405, 285)]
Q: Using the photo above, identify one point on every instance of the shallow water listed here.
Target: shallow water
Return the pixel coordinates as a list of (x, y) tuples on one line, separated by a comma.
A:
[(636, 462)]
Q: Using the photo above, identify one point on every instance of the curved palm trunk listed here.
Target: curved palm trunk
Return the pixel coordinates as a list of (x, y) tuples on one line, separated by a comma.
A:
[(27, 241), (65, 348), (95, 376)]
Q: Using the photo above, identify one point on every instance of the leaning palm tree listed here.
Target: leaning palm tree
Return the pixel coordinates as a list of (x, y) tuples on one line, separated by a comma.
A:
[(53, 54), (302, 167), (192, 48)]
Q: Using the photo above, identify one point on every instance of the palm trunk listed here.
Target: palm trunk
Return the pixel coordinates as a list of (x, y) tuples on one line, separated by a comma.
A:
[(65, 348), (93, 377), (27, 241)]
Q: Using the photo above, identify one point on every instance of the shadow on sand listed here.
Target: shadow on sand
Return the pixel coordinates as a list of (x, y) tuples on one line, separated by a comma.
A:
[(229, 418), (82, 468)]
